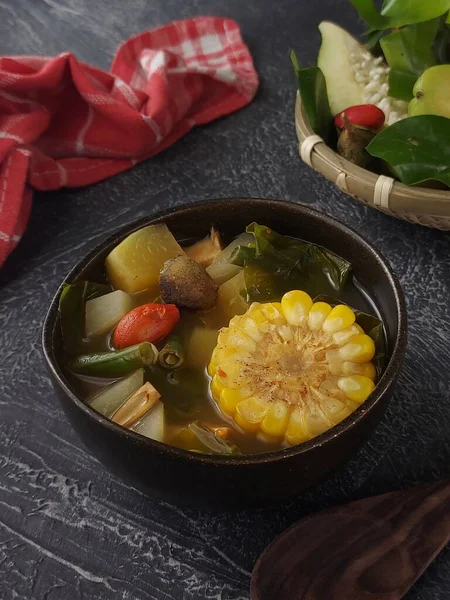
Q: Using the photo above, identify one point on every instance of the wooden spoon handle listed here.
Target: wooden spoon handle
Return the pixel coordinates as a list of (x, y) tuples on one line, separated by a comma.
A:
[(372, 548)]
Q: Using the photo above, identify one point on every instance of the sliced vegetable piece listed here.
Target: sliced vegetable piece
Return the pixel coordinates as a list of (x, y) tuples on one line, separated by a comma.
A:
[(110, 398), (153, 424), (205, 251), (230, 301), (221, 269), (134, 264), (71, 311), (116, 363), (185, 283), (146, 323), (335, 63), (172, 355), (136, 406), (103, 313), (198, 437)]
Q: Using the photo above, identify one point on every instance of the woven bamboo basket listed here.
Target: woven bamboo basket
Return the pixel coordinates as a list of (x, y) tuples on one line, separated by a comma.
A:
[(415, 204)]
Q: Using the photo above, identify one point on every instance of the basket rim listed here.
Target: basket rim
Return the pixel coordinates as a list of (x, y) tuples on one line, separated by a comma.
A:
[(432, 202)]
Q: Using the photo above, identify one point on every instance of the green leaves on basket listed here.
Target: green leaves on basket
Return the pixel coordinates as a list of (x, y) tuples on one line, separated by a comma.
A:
[(401, 12), (397, 13), (408, 51), (417, 149), (313, 91)]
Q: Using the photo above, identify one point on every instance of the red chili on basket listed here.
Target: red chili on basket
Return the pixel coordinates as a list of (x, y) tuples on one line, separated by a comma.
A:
[(146, 323), (362, 115)]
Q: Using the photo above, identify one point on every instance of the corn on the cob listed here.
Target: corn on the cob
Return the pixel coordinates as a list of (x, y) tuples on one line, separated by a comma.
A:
[(290, 370)]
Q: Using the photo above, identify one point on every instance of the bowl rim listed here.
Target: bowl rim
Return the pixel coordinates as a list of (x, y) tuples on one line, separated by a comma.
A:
[(388, 377)]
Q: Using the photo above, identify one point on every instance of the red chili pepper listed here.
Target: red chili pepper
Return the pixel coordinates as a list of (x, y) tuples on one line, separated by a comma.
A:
[(363, 115), (146, 323)]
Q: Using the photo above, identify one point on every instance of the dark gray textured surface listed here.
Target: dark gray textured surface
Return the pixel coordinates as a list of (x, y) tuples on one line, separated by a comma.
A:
[(67, 528)]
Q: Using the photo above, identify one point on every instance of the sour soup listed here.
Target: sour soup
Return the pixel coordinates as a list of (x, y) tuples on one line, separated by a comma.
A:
[(231, 349)]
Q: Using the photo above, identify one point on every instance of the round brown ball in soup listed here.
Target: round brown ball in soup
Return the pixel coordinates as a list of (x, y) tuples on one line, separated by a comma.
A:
[(184, 282)]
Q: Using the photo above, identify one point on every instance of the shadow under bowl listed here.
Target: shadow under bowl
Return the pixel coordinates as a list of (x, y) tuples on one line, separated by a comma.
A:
[(183, 477)]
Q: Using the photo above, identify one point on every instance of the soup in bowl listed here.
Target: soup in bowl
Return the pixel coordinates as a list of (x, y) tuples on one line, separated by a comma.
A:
[(227, 352)]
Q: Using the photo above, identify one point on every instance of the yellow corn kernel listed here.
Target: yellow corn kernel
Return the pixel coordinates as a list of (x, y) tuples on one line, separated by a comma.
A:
[(272, 311), (235, 338), (334, 409), (329, 387), (340, 317), (317, 315), (277, 419), (360, 349), (315, 420), (211, 368), (249, 413), (296, 431), (235, 322), (248, 325), (367, 369), (356, 387), (256, 313), (232, 375), (296, 306), (229, 399), (342, 337), (285, 332), (216, 387)]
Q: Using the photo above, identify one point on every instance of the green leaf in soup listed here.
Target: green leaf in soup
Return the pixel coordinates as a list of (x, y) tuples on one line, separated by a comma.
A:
[(72, 311), (416, 148), (197, 437), (402, 12), (313, 91), (281, 264)]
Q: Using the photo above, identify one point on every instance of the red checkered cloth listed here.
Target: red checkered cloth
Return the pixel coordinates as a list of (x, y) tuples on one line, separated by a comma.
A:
[(65, 123)]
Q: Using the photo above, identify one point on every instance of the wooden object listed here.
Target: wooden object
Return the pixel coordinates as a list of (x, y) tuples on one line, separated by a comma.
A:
[(370, 549)]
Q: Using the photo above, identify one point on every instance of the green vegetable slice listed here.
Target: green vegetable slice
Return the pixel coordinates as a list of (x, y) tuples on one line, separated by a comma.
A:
[(115, 363), (279, 264), (416, 148), (71, 310), (172, 355), (197, 437), (313, 91)]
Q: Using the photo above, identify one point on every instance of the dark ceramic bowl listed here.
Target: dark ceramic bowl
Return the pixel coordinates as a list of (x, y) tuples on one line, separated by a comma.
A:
[(183, 477)]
